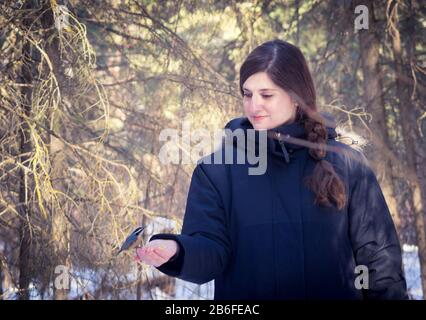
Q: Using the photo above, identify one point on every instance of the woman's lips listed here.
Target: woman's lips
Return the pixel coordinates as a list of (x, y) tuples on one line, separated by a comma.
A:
[(259, 118)]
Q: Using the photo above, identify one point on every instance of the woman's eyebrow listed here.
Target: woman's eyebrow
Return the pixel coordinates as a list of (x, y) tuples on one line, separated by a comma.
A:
[(263, 89)]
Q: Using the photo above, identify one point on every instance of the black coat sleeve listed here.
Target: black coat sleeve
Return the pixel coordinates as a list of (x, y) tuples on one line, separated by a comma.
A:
[(373, 235), (204, 241)]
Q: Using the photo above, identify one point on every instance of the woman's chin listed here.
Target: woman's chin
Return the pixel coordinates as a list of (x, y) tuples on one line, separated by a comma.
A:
[(260, 125)]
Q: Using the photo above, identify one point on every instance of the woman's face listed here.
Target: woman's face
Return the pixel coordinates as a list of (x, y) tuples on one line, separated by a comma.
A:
[(265, 104)]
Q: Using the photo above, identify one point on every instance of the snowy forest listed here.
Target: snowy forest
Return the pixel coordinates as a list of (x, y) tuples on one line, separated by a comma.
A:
[(87, 86)]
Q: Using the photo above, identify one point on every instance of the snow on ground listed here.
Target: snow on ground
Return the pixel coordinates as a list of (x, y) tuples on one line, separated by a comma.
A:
[(411, 263), (84, 280)]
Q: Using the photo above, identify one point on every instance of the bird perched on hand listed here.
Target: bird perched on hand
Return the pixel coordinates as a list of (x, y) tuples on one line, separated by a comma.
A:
[(132, 240)]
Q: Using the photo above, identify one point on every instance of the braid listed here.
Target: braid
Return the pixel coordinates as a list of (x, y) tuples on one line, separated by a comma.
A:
[(324, 182)]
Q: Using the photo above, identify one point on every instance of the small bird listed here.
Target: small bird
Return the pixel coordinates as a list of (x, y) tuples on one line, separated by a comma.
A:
[(132, 240)]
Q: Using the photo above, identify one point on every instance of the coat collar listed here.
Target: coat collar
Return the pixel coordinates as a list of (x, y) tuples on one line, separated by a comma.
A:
[(278, 137)]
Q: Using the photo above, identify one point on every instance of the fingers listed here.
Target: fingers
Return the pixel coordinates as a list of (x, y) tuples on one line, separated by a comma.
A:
[(156, 252), (160, 253), (150, 256)]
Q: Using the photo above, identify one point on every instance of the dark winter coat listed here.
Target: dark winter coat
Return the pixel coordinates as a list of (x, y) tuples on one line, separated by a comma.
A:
[(262, 236)]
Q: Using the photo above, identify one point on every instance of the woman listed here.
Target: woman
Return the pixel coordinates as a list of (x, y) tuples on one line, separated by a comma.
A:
[(308, 226)]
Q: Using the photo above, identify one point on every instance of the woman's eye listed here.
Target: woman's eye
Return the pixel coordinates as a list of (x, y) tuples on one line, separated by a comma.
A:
[(263, 96)]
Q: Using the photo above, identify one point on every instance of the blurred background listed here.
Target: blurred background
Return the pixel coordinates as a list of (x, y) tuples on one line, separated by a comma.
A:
[(86, 87)]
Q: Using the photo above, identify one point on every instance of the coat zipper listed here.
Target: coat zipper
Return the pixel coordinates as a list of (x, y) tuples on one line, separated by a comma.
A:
[(283, 148)]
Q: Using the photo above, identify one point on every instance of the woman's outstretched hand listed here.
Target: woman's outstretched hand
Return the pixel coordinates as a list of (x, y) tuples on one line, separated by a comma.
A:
[(157, 252)]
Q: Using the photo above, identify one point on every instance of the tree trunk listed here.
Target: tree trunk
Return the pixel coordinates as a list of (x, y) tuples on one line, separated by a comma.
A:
[(28, 73), (59, 231), (23, 206), (369, 47), (411, 135)]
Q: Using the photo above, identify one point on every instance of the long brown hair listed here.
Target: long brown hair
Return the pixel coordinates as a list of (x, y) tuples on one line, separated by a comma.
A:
[(286, 66)]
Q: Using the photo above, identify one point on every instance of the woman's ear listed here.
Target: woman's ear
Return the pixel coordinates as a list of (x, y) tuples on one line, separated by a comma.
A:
[(293, 98)]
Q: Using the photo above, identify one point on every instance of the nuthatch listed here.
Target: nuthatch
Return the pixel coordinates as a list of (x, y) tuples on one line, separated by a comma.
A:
[(132, 240)]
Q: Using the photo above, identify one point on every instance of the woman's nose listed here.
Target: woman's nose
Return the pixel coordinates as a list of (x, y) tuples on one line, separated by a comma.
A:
[(256, 104)]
